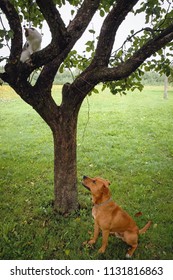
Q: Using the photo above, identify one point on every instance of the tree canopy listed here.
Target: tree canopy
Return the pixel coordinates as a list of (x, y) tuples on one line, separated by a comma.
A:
[(137, 47)]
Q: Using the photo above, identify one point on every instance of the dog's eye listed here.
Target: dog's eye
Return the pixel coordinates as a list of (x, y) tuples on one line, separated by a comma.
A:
[(94, 181)]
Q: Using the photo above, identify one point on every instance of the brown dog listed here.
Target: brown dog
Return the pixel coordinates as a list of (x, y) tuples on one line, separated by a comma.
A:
[(109, 217)]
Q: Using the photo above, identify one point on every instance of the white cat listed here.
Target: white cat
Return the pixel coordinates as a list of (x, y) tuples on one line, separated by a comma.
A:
[(33, 43)]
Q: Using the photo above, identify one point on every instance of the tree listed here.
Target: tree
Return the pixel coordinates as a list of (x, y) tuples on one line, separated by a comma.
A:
[(119, 69), (165, 95)]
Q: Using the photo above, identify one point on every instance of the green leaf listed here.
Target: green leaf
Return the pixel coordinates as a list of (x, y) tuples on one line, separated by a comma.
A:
[(67, 252), (95, 90), (92, 31), (102, 13), (2, 32), (72, 12), (61, 69)]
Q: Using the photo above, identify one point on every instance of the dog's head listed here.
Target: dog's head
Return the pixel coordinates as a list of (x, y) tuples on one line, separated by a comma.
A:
[(98, 187)]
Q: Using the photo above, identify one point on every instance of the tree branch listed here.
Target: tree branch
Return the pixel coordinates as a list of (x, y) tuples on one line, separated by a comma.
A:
[(16, 47), (14, 22), (129, 66), (59, 41), (75, 30), (68, 37), (129, 38), (54, 20), (92, 76), (63, 39), (109, 29), (83, 17)]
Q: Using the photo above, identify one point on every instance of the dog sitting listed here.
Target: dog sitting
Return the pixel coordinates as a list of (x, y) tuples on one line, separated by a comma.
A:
[(109, 217), (33, 43)]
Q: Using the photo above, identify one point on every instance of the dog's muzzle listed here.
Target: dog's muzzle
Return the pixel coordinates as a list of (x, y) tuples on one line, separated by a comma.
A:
[(85, 177)]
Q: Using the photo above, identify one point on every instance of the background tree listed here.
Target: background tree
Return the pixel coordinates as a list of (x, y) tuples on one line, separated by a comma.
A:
[(170, 78), (165, 95), (119, 70)]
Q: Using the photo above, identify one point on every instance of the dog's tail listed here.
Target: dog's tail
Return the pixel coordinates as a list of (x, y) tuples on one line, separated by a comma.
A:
[(144, 229)]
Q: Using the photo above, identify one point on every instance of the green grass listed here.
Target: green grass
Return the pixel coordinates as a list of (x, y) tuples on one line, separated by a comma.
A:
[(126, 139)]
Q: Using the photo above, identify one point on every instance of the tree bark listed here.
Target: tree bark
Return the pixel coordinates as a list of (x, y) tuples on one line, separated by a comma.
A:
[(65, 166)]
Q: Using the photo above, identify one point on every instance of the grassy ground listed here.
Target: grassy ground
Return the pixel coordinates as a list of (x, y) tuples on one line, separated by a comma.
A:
[(126, 139)]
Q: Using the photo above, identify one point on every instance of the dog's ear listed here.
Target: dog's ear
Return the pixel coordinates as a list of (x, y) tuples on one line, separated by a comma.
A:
[(105, 189), (107, 183)]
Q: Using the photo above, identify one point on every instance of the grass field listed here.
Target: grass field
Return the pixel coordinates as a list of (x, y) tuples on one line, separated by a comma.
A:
[(126, 139)]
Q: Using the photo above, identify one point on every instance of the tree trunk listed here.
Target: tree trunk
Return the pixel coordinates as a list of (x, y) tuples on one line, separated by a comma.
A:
[(65, 167), (62, 120)]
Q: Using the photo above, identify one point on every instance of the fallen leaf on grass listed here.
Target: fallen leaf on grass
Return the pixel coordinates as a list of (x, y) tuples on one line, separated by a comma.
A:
[(67, 252), (138, 214)]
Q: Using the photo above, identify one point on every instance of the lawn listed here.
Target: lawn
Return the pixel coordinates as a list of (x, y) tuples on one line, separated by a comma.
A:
[(126, 139)]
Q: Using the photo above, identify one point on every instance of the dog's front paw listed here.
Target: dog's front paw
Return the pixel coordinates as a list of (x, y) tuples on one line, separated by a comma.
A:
[(128, 256), (92, 241), (101, 250)]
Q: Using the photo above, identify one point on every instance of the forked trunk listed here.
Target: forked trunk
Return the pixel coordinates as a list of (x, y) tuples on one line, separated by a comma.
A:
[(65, 168)]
